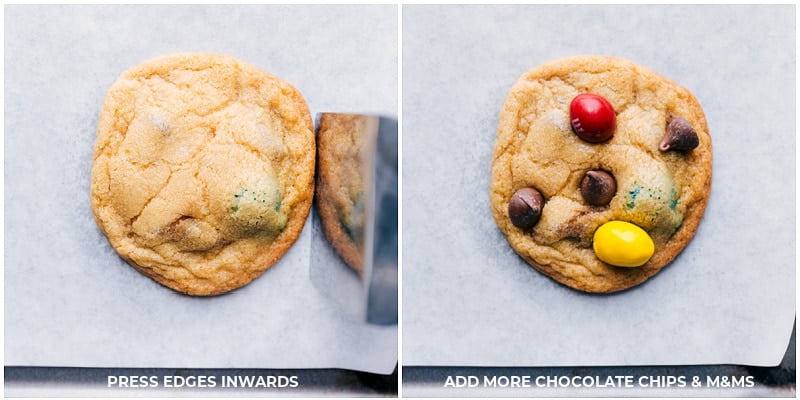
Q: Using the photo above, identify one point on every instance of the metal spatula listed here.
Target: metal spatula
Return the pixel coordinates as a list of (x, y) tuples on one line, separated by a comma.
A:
[(354, 236)]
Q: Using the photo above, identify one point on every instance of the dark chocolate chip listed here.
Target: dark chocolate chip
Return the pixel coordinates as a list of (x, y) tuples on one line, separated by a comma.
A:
[(598, 187), (525, 207), (680, 136)]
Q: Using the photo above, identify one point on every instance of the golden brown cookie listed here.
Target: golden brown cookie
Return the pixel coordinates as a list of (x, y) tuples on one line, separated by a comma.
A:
[(203, 171), (585, 141), (341, 183)]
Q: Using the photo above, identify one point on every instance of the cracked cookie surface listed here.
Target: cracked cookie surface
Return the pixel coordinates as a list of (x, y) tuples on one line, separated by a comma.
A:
[(203, 170), (663, 192)]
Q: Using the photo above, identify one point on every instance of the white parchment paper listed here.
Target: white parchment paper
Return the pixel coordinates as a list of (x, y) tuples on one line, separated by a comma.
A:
[(69, 299), (468, 299)]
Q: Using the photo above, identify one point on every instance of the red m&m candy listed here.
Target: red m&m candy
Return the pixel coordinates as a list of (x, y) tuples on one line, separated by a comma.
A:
[(593, 118)]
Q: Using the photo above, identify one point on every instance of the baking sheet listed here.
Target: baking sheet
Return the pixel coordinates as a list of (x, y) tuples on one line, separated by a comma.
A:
[(469, 300), (69, 299)]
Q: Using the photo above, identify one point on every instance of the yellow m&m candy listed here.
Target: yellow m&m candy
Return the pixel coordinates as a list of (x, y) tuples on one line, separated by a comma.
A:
[(623, 244)]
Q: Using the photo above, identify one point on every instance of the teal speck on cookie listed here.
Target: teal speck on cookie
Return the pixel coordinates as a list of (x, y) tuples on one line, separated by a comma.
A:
[(258, 210), (352, 224), (633, 193), (673, 199)]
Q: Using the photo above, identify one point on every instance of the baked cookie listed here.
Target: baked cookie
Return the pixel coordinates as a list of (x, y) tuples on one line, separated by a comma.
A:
[(601, 171), (203, 171), (342, 140)]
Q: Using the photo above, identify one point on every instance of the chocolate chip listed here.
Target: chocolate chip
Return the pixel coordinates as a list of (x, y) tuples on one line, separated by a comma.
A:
[(598, 187), (525, 207), (680, 136)]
